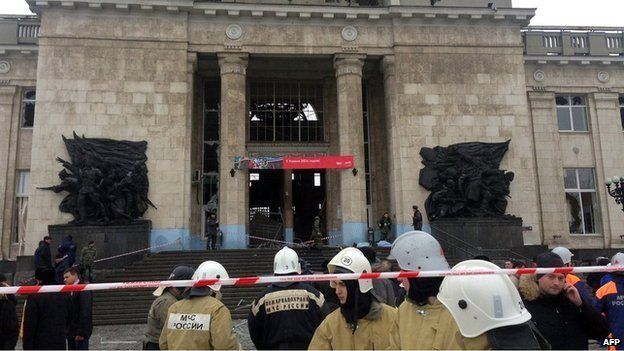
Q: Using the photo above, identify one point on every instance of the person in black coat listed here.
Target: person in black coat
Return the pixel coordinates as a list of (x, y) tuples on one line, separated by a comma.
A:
[(46, 316), (43, 255), (9, 326), (557, 309), (80, 318)]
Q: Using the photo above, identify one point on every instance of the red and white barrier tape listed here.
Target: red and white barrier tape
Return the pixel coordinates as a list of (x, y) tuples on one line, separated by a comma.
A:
[(177, 241), (244, 281)]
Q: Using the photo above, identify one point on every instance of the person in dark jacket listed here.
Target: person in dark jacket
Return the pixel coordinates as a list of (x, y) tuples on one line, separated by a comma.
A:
[(61, 263), (212, 227), (80, 318), (593, 278), (69, 248), (9, 326), (43, 255), (558, 310), (46, 316), (286, 315), (416, 218)]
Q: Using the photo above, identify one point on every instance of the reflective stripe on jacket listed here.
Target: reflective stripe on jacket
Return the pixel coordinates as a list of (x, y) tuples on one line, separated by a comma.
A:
[(198, 323)]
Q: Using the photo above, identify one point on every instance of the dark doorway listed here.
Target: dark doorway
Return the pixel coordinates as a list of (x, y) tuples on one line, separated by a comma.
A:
[(266, 193), (308, 188)]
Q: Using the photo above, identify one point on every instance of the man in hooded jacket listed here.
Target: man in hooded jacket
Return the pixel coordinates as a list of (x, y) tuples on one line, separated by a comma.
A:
[(558, 310), (361, 322)]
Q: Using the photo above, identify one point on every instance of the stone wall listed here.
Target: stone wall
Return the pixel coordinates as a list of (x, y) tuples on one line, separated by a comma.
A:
[(113, 75), (599, 148), (458, 84), (15, 141)]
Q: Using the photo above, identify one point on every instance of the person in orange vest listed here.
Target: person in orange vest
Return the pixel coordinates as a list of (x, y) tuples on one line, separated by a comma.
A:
[(580, 285), (610, 301)]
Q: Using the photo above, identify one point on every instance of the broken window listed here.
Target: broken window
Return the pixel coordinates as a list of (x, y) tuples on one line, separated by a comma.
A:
[(20, 210), (28, 107), (581, 200)]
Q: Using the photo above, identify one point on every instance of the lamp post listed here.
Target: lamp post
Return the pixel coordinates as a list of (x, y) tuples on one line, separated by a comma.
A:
[(618, 192)]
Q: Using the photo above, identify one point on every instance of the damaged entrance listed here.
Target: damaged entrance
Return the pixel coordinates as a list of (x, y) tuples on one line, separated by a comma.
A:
[(283, 204)]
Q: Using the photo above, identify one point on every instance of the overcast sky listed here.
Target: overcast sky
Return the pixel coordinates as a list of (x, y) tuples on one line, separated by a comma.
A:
[(597, 13)]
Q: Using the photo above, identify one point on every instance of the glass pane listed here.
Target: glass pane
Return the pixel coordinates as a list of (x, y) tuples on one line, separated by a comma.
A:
[(590, 212), (211, 126), (562, 100), (622, 116), (579, 119), (29, 95), (211, 157), (29, 114), (212, 95), (563, 118), (569, 178), (621, 98), (575, 219), (586, 178), (578, 100)]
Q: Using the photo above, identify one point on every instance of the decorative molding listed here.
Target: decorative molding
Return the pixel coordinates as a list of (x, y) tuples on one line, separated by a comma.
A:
[(234, 31), (603, 76), (230, 63), (4, 81), (349, 33), (347, 64), (539, 75), (5, 67), (353, 48), (233, 47), (537, 88)]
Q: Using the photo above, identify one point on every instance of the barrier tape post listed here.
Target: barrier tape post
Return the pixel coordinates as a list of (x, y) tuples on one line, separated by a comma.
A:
[(244, 281)]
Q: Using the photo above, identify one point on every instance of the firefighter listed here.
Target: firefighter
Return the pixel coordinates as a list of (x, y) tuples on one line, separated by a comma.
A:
[(424, 322), (361, 322), (201, 320), (489, 307)]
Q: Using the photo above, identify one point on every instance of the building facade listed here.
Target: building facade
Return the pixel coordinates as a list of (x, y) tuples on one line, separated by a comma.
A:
[(206, 82)]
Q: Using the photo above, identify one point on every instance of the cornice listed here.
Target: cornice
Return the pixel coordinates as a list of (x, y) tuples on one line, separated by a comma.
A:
[(577, 60), (517, 16)]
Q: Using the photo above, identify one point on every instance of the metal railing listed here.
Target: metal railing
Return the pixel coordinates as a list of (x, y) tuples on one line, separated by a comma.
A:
[(547, 41), (461, 249)]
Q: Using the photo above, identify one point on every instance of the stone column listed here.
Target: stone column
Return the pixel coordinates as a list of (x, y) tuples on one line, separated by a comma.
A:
[(609, 146), (233, 209), (398, 207), (8, 133), (288, 206), (549, 168), (351, 142)]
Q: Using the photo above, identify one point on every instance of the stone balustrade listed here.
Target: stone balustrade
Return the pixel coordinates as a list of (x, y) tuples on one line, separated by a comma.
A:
[(573, 42)]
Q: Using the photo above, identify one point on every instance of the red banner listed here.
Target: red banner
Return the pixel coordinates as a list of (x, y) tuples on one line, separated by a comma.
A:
[(318, 162)]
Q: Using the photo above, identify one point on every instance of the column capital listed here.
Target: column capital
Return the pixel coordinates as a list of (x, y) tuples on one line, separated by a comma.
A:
[(233, 63), (388, 67), (348, 64)]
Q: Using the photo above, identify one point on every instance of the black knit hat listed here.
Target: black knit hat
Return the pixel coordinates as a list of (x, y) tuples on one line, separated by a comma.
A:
[(548, 260)]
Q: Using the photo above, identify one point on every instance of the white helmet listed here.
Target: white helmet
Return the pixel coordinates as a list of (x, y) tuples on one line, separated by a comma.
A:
[(417, 250), (564, 253), (286, 261), (618, 259), (484, 302), (211, 270), (354, 261)]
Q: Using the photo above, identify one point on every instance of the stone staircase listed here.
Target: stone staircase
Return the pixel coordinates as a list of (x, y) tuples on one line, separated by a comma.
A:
[(131, 306)]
